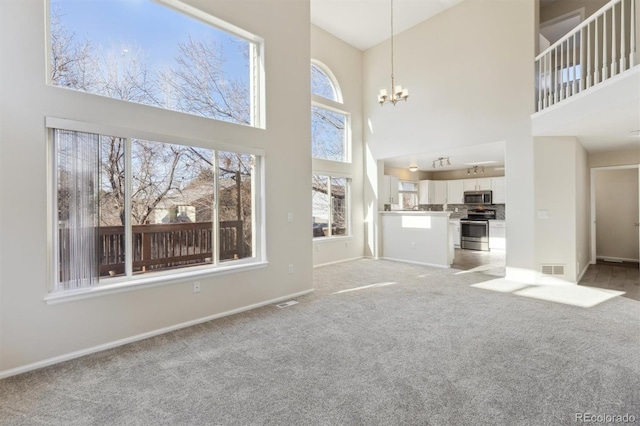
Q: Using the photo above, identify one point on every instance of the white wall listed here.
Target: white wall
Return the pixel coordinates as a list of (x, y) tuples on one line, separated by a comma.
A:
[(469, 71), (562, 190), (614, 158), (345, 62), (32, 331), (616, 193)]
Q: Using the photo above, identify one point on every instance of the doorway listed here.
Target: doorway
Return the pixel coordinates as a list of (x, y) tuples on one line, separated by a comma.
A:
[(615, 230)]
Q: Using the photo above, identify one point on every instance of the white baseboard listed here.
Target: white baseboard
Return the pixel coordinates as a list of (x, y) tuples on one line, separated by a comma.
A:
[(116, 343), (433, 265), (618, 259), (338, 261)]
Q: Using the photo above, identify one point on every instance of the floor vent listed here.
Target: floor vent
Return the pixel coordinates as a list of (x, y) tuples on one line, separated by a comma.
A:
[(552, 270), (287, 304)]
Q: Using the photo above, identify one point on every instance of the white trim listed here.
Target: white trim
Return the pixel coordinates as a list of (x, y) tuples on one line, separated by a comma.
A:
[(592, 184), (332, 78), (620, 259), (77, 354), (149, 280), (126, 132), (338, 261), (434, 265)]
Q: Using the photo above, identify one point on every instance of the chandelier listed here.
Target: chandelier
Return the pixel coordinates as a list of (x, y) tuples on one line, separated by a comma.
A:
[(474, 170), (441, 162), (397, 92)]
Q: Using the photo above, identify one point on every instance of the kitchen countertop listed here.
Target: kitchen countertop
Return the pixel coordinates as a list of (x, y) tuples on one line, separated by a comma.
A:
[(415, 212)]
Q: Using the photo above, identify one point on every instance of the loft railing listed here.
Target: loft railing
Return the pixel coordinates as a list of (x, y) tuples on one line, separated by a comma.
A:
[(166, 246), (601, 47)]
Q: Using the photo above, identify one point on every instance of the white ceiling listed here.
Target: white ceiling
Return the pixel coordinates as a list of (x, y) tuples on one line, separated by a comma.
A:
[(365, 23), (487, 155)]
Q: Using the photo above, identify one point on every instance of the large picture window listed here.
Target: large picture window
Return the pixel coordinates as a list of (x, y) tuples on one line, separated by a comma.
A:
[(127, 207), (145, 52)]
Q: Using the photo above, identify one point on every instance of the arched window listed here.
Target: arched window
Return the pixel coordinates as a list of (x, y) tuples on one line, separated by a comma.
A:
[(329, 141), (324, 84)]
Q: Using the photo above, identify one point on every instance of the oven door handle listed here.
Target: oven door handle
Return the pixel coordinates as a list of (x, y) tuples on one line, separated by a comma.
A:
[(475, 222)]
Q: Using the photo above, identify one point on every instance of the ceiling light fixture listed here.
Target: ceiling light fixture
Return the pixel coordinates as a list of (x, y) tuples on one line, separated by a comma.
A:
[(441, 162), (413, 168), (397, 92), (474, 170), (636, 133)]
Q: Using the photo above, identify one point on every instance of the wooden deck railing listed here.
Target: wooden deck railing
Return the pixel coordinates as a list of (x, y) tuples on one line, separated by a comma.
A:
[(165, 246)]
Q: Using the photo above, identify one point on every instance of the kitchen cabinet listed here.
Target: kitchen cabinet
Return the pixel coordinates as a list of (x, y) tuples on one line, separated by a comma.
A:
[(477, 184), (455, 230), (498, 187), (497, 235), (389, 193), (432, 192), (455, 191)]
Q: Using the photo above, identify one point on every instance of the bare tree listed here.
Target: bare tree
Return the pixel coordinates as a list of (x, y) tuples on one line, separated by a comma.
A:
[(202, 86), (72, 62)]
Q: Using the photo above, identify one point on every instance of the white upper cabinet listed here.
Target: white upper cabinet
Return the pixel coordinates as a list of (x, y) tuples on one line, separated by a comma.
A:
[(499, 190), (455, 191), (389, 193), (440, 192), (479, 184), (432, 192)]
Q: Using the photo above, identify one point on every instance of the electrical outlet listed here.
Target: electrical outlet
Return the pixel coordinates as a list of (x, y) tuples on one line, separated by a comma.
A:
[(290, 217), (196, 287), (291, 268), (413, 244), (346, 244)]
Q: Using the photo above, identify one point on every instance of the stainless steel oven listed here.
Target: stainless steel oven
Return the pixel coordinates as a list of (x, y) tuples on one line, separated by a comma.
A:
[(474, 234), (474, 230)]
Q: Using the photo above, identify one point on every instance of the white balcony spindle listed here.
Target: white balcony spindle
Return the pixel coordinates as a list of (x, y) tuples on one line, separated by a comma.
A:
[(573, 85), (623, 53), (596, 60), (554, 75), (588, 55), (605, 68), (540, 84), (561, 96), (583, 62), (614, 50), (547, 80), (632, 42)]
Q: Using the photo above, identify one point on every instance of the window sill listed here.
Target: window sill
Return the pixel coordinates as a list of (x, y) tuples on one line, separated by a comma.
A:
[(151, 280), (332, 239)]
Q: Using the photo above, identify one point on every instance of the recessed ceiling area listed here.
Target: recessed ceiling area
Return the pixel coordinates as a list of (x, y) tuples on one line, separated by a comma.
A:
[(365, 23), (484, 155)]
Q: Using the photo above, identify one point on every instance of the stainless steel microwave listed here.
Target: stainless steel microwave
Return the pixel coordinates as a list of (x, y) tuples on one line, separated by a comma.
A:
[(478, 197)]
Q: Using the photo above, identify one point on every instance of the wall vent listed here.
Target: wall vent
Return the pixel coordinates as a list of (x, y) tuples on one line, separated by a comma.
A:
[(552, 269)]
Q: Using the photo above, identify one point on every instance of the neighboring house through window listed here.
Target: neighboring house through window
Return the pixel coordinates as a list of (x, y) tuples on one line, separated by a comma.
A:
[(330, 149)]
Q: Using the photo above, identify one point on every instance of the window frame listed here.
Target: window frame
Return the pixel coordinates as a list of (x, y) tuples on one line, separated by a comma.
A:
[(414, 193), (347, 131), (257, 79), (131, 282), (347, 197)]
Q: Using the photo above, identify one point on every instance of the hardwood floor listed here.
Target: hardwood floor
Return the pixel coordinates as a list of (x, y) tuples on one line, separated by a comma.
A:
[(486, 262), (615, 276)]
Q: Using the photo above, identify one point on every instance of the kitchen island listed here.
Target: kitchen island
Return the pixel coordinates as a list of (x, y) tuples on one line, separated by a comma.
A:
[(421, 237)]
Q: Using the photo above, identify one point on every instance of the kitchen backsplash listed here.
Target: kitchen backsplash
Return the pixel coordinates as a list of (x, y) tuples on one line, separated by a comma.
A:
[(462, 209)]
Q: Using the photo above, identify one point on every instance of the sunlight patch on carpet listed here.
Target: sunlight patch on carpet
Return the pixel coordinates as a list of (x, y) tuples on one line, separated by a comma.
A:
[(501, 285), (568, 294), (365, 287), (575, 295)]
